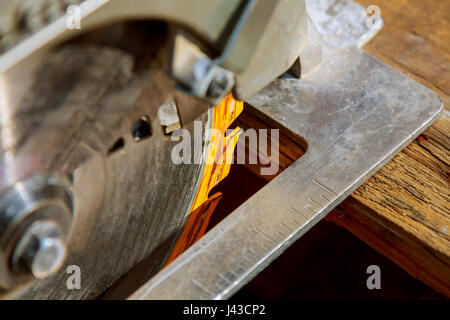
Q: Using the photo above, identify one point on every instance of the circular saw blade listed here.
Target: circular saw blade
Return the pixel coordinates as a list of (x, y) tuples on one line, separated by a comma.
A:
[(131, 199)]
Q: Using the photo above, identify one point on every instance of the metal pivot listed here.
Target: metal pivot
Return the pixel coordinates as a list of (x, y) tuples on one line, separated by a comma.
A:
[(35, 220)]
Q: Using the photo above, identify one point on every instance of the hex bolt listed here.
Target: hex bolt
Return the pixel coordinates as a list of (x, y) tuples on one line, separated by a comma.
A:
[(210, 80), (42, 249), (217, 86)]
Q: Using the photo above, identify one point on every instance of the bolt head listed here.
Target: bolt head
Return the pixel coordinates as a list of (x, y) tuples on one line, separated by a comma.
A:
[(42, 249), (35, 215), (218, 86), (48, 258)]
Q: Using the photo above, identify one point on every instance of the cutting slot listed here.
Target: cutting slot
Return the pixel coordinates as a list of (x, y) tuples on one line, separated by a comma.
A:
[(141, 129)]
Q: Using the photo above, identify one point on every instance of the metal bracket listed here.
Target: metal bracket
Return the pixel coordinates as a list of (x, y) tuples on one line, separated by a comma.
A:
[(201, 76), (355, 112)]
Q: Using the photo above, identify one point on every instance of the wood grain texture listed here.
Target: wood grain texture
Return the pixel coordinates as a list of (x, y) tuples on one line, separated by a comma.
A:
[(415, 40), (403, 211), (291, 147)]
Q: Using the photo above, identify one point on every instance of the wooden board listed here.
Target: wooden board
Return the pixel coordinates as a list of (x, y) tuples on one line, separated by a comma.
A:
[(403, 211)]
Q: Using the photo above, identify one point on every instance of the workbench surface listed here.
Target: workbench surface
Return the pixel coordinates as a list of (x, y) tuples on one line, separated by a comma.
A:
[(403, 211)]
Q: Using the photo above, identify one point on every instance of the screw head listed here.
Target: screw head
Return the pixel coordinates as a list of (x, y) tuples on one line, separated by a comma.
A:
[(48, 258)]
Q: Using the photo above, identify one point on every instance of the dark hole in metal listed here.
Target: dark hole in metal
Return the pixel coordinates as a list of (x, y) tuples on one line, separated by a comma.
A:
[(119, 144), (141, 129)]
